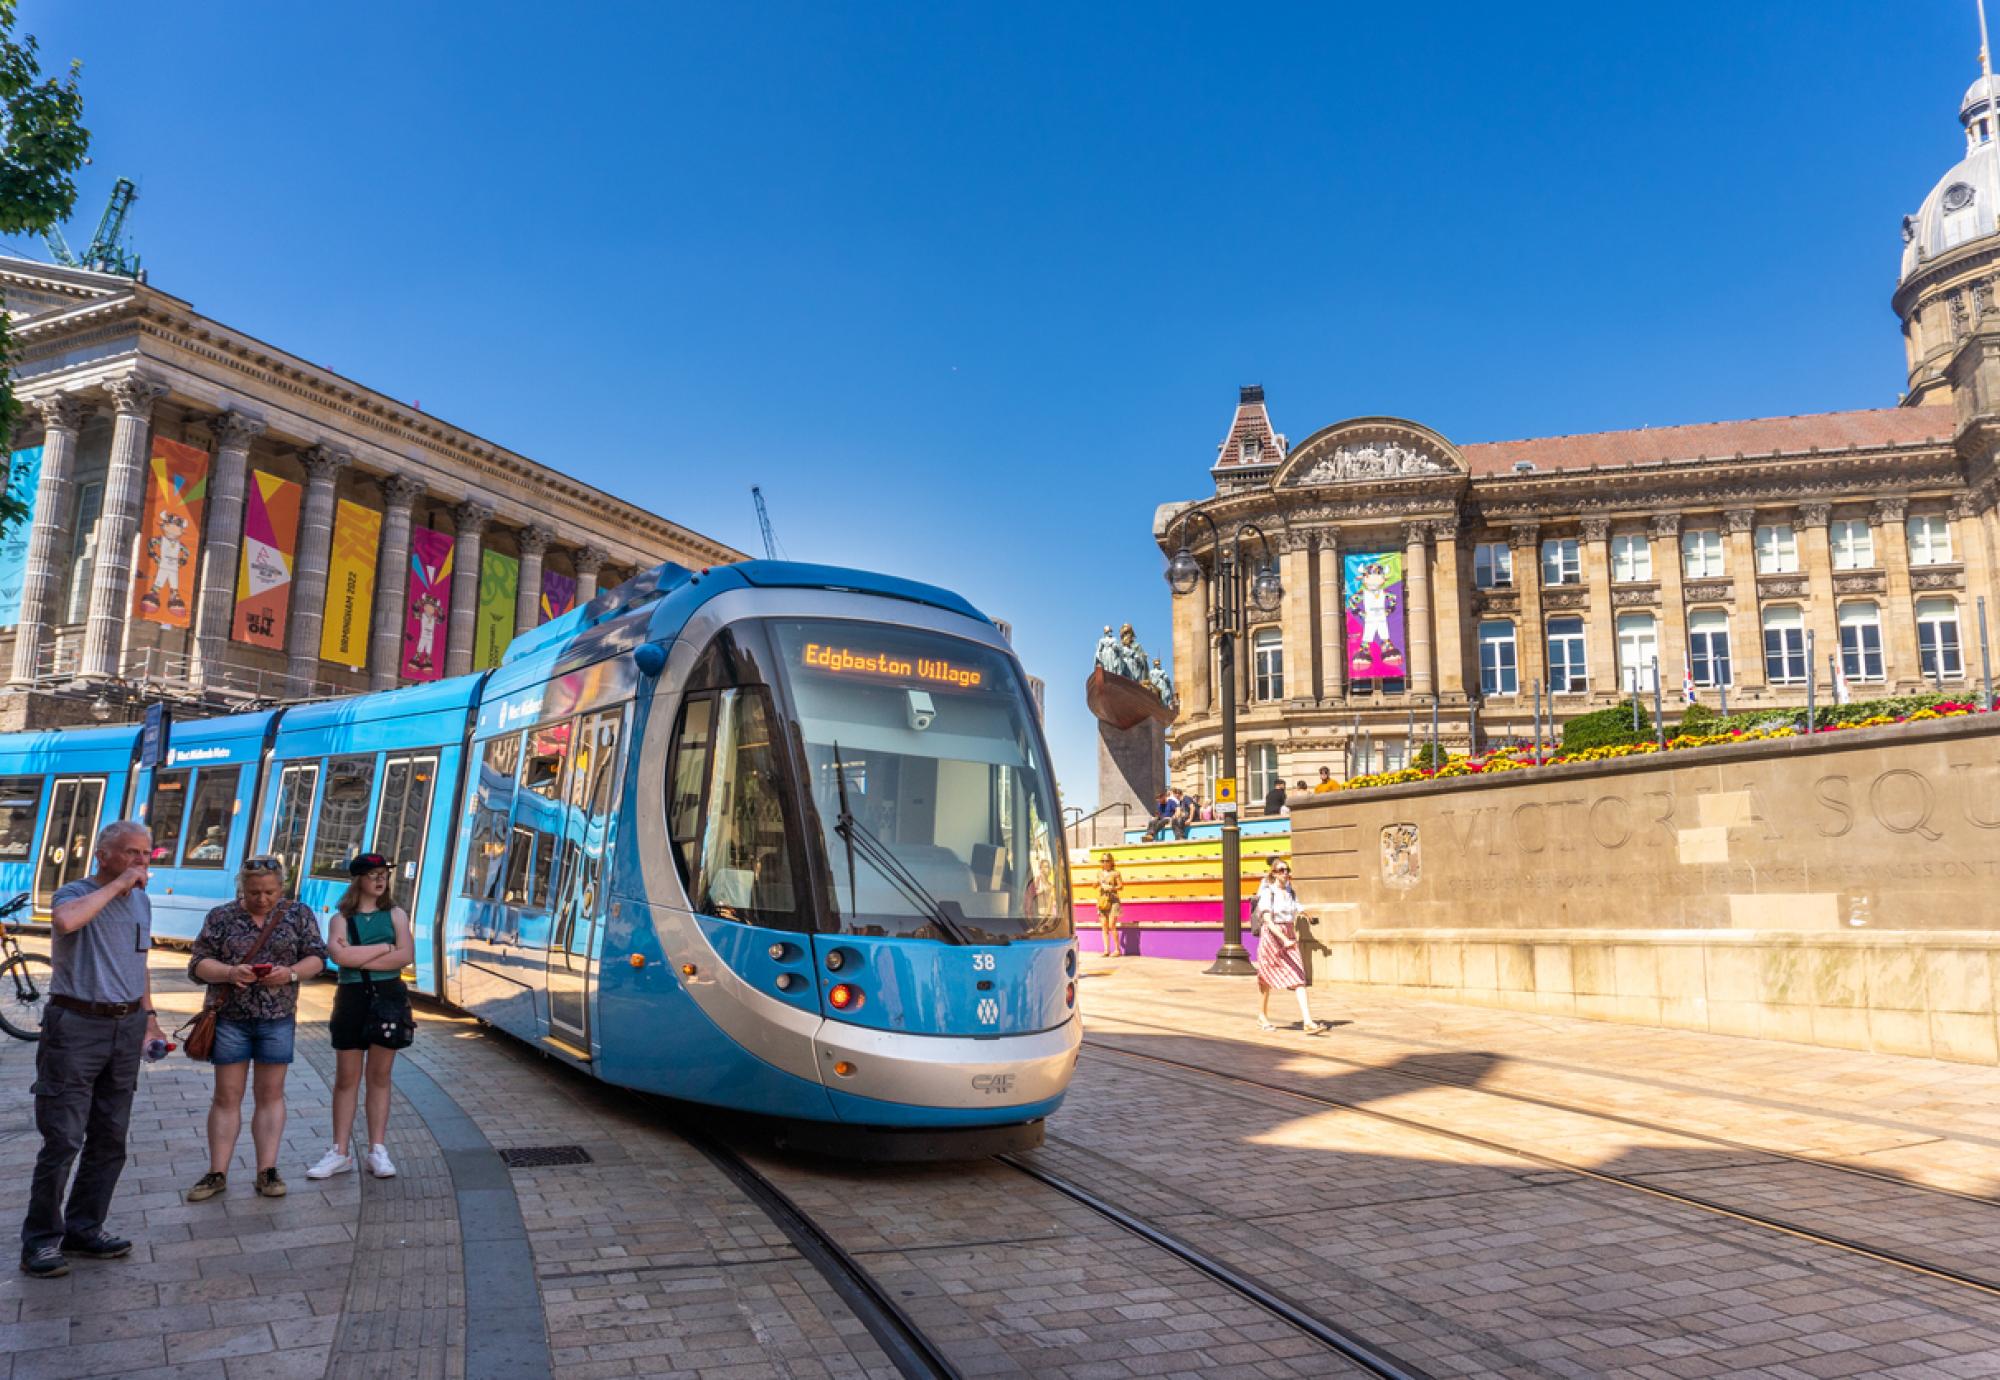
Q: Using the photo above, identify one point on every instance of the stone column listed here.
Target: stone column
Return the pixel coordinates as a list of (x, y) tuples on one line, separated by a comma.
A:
[(1666, 534), (1295, 615), (1989, 522), (1450, 597), (124, 491), (323, 465), (392, 581), (55, 502), (1190, 612), (1902, 667), (588, 562), (471, 517), (534, 542), (1971, 549), (1417, 625), (1529, 645), (222, 542), (1816, 559), (1746, 624), (1601, 635), (1332, 620)]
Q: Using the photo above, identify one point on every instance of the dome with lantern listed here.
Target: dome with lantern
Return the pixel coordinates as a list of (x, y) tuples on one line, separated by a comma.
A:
[(1965, 203)]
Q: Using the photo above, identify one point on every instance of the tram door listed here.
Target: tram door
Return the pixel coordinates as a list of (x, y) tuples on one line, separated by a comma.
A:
[(593, 781), (74, 807), (407, 783)]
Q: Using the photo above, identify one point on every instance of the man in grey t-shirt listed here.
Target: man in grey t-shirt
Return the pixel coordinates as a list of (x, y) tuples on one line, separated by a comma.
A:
[(99, 1019)]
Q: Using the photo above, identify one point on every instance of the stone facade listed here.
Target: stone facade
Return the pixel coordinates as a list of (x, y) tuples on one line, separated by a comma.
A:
[(103, 364)]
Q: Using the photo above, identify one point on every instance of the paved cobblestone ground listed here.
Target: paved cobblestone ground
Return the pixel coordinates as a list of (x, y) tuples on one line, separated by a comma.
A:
[(1464, 1259)]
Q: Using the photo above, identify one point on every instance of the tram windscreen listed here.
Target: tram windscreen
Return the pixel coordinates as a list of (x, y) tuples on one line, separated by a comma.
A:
[(936, 743)]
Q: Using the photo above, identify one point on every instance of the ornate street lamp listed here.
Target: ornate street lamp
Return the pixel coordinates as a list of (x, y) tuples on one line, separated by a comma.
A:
[(1184, 574)]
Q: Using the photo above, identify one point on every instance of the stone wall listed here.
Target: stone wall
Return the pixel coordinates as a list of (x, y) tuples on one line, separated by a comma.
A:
[(1841, 890)]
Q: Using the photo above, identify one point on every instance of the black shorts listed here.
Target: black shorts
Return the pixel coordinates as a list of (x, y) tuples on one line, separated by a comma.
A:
[(351, 1002)]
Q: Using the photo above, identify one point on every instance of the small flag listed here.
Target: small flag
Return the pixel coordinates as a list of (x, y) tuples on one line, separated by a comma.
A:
[(1841, 694), (1687, 680)]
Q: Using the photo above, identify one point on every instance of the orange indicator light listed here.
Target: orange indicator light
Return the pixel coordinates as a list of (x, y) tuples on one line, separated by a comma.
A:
[(638, 960), (687, 970), (843, 997), (844, 1069)]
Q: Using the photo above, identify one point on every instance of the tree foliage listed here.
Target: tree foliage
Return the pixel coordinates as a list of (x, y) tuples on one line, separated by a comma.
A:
[(44, 144)]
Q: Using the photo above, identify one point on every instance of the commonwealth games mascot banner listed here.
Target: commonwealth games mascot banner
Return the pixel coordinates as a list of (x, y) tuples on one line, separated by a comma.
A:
[(164, 590), (1373, 591), (429, 595), (270, 538)]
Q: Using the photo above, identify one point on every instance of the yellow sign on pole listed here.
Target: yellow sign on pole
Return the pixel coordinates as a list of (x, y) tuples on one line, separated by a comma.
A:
[(1225, 791)]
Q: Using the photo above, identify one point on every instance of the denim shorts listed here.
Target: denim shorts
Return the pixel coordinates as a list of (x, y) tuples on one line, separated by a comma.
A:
[(267, 1040)]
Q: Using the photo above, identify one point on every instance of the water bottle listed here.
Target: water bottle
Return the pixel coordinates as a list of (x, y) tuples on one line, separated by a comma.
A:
[(157, 1050)]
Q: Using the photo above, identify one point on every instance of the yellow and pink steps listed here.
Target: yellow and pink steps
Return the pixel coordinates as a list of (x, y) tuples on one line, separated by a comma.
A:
[(1172, 893)]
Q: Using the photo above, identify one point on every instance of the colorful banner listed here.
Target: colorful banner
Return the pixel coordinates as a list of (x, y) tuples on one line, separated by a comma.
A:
[(163, 591), (558, 594), (350, 586), (493, 625), (429, 602), (264, 578), (1374, 597), (24, 473)]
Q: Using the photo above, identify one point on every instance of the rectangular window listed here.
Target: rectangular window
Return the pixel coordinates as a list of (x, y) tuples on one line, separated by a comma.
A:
[(1777, 549), (1267, 664), (1631, 558), (1562, 563), (1262, 759), (1701, 554), (401, 823), (1708, 647), (211, 817), (83, 553), (492, 811), (1784, 646), (297, 784), (1860, 641), (1493, 565), (689, 774), (1930, 539), (1497, 674), (20, 807), (1937, 639), (1567, 674), (1638, 652), (1853, 544), (164, 812), (343, 815), (745, 868)]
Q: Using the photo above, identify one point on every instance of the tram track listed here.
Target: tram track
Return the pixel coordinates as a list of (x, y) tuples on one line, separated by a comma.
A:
[(1879, 1254)]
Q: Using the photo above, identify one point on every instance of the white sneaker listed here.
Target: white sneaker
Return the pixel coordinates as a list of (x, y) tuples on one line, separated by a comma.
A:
[(379, 1163), (330, 1164)]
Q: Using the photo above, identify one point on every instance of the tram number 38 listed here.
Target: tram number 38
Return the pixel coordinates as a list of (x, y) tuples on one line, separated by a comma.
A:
[(988, 1009)]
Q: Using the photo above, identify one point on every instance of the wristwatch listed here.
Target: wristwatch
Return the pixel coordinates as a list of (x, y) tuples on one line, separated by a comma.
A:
[(295, 976)]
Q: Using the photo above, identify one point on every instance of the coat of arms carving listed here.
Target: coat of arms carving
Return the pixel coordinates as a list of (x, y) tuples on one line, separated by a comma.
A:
[(1402, 856)]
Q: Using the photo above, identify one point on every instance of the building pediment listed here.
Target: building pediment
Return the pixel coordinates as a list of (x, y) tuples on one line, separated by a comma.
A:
[(1369, 450), (31, 289)]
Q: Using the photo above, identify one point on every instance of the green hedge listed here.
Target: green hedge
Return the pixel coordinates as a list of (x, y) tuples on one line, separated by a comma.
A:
[(1700, 719), (1606, 728), (1431, 755)]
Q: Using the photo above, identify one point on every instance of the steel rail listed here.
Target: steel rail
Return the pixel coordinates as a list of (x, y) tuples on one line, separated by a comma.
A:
[(1880, 1254), (1328, 1334)]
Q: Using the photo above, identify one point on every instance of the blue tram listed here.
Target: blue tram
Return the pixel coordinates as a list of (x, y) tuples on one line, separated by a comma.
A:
[(773, 837)]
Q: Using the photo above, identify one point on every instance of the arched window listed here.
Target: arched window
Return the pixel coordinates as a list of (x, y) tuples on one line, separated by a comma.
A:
[(1861, 640), (1262, 759), (1497, 675), (1937, 638), (1267, 664), (1567, 673), (1638, 652), (1708, 647), (1784, 645)]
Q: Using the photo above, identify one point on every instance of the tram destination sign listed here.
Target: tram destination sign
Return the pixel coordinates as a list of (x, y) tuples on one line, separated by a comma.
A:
[(891, 666)]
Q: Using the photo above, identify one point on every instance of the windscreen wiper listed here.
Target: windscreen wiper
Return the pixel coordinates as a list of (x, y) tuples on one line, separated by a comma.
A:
[(864, 844)]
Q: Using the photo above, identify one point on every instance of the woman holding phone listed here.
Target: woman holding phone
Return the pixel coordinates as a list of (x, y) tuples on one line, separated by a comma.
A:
[(252, 952), (369, 938)]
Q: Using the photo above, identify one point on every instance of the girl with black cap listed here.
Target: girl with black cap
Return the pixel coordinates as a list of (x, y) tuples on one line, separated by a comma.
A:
[(369, 937)]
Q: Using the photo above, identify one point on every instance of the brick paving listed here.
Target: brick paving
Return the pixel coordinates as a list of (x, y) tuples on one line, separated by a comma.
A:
[(1462, 1259)]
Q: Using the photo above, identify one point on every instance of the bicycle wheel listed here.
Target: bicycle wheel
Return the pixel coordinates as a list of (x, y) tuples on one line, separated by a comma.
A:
[(24, 995)]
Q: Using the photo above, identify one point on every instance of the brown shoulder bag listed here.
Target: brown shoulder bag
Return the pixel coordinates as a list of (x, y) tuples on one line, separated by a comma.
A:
[(199, 1042)]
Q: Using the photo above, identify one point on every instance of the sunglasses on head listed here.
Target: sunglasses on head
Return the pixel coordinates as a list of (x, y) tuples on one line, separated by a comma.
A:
[(264, 864)]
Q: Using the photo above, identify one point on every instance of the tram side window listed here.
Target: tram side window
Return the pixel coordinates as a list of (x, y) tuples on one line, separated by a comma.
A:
[(164, 811), (538, 814), (593, 782), (405, 812), (211, 817), (297, 784), (492, 810), (743, 865), (20, 800), (689, 774), (343, 815)]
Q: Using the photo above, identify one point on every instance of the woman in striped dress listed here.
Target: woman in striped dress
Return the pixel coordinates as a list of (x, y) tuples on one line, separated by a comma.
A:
[(1278, 964)]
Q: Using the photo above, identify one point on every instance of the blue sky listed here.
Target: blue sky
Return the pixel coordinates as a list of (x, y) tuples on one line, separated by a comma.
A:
[(969, 289)]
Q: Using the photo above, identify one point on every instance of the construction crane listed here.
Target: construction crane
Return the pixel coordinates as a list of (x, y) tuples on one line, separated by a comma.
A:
[(105, 254), (764, 523)]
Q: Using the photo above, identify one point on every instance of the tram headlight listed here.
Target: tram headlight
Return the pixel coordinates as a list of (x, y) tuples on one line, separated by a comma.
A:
[(921, 709), (843, 997)]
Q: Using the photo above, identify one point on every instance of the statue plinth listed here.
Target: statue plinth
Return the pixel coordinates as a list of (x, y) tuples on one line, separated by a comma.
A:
[(1131, 770), (1123, 702)]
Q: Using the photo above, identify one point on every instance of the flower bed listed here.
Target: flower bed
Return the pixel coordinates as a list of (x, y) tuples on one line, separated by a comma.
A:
[(1737, 728)]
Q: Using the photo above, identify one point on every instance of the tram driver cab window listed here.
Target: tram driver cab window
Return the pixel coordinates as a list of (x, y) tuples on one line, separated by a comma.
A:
[(727, 805)]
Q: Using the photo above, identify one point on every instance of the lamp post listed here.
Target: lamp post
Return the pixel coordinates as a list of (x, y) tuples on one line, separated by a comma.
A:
[(1184, 574)]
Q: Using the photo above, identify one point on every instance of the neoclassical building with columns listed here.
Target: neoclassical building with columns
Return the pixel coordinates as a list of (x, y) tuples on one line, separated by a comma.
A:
[(1850, 552), (105, 367)]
